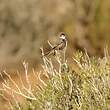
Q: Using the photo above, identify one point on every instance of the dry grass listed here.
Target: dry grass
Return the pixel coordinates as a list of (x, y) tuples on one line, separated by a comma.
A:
[(65, 89)]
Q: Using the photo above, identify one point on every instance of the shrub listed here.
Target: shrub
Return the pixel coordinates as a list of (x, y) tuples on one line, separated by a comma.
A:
[(66, 89)]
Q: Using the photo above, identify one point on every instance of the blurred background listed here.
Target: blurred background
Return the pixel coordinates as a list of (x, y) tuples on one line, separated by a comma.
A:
[(26, 25)]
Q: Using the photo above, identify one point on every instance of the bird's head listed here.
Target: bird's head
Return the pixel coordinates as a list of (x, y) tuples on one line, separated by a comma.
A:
[(63, 36)]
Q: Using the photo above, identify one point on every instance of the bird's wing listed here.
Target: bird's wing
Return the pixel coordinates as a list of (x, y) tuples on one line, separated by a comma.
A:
[(57, 47)]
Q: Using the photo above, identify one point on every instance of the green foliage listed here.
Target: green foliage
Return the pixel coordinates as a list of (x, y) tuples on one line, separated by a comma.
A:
[(87, 90)]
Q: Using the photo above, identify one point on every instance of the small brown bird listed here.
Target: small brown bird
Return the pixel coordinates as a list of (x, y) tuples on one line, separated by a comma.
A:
[(59, 46)]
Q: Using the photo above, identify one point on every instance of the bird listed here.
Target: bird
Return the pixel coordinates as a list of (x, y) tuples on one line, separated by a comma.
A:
[(60, 46)]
